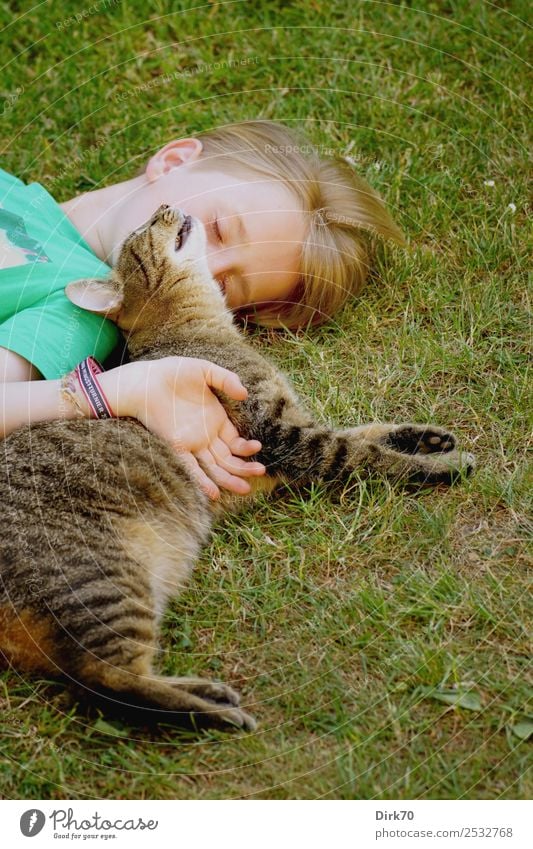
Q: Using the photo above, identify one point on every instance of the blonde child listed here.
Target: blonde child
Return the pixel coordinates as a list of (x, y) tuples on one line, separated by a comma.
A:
[(287, 242)]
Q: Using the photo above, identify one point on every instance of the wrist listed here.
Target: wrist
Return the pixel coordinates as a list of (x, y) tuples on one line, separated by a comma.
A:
[(71, 401), (119, 386), (82, 392)]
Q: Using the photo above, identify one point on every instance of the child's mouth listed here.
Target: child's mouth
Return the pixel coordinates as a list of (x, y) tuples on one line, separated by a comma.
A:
[(183, 232)]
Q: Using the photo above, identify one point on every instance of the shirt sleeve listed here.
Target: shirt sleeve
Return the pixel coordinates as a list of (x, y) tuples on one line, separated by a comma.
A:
[(54, 335)]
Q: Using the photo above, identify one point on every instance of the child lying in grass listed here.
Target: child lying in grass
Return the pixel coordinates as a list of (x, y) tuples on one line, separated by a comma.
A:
[(286, 243)]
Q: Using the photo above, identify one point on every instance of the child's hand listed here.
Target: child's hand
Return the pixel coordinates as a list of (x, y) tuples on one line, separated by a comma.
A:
[(172, 398)]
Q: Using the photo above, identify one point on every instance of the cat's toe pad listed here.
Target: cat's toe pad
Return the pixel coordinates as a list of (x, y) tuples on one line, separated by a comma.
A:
[(420, 439)]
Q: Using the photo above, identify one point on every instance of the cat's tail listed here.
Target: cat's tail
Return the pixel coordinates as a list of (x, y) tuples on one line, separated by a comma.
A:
[(418, 453)]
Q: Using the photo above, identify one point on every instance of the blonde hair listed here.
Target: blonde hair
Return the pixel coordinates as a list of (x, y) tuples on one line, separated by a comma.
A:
[(343, 211)]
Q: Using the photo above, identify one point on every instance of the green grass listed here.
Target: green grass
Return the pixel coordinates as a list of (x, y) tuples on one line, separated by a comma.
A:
[(342, 620)]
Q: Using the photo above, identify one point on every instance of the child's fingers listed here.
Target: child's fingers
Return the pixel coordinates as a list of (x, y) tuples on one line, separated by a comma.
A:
[(204, 481), (223, 457), (243, 447), (237, 444), (243, 468), (225, 381), (223, 477)]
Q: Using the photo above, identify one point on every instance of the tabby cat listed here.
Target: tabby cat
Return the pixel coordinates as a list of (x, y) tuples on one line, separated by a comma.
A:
[(100, 521)]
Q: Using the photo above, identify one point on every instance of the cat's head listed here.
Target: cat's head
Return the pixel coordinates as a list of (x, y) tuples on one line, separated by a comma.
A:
[(161, 276)]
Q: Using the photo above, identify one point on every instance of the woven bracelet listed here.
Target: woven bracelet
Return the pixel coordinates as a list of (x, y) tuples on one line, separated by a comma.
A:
[(86, 372)]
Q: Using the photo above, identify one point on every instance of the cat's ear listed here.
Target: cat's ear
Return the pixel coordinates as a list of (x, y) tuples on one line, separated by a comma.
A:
[(99, 296)]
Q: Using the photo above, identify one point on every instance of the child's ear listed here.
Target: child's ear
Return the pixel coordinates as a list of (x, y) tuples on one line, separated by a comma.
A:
[(98, 296)]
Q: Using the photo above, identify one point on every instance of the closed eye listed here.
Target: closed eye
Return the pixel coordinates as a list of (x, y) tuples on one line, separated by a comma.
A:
[(216, 230)]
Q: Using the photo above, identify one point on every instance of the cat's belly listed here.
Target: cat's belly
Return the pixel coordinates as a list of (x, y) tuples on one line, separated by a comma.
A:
[(163, 548)]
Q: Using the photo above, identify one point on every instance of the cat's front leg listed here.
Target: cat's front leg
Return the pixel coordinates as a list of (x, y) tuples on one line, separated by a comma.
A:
[(410, 452), (408, 438)]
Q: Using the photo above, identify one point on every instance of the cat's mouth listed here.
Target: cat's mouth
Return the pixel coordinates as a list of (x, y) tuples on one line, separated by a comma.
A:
[(183, 232)]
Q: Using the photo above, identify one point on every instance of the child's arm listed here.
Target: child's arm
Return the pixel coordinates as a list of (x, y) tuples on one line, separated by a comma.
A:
[(14, 367), (171, 397)]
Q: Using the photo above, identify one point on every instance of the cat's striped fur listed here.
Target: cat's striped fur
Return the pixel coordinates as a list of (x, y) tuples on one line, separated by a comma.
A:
[(100, 521)]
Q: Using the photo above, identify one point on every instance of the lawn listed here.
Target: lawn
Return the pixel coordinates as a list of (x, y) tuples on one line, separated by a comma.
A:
[(379, 636)]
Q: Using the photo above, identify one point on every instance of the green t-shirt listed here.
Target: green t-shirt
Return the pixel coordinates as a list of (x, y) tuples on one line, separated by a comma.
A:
[(40, 252)]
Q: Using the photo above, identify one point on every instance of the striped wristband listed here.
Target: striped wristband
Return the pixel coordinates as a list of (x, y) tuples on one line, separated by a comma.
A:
[(86, 372)]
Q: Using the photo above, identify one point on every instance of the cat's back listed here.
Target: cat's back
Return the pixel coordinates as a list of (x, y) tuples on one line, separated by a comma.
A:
[(110, 464)]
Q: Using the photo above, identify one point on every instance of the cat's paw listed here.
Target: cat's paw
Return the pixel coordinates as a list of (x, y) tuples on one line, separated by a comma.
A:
[(208, 704), (166, 214), (225, 718), (211, 691), (419, 439), (442, 468)]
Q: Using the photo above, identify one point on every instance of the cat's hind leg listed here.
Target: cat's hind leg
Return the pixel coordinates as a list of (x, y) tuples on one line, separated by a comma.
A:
[(108, 623), (112, 662)]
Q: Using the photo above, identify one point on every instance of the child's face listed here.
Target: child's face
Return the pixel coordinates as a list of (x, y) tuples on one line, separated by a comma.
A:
[(254, 226)]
